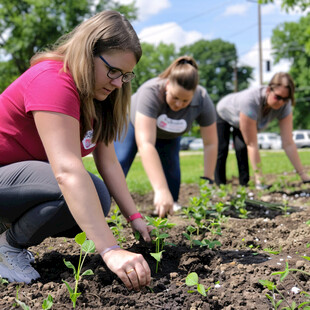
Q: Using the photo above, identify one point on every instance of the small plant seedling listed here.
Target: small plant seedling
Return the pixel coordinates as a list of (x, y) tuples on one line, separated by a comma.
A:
[(87, 246), (192, 280), (160, 227), (205, 242), (3, 281), (274, 290), (189, 236), (117, 225), (47, 302), (273, 251)]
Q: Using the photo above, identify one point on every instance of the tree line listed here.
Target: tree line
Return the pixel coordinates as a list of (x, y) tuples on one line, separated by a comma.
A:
[(29, 26)]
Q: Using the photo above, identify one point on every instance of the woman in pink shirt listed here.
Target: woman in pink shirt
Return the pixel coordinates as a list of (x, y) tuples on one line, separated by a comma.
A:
[(72, 101)]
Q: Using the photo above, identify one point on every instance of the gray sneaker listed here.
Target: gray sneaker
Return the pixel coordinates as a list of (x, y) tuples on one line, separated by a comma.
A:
[(15, 263)]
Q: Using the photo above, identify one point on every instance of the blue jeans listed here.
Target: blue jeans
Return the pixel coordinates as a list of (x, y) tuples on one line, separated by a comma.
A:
[(30, 199), (168, 151)]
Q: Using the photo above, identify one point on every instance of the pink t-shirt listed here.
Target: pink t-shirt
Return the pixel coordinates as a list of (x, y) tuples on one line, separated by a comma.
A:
[(43, 87)]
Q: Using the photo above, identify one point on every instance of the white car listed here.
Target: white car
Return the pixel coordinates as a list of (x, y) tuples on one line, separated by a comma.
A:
[(269, 140), (196, 144), (301, 138)]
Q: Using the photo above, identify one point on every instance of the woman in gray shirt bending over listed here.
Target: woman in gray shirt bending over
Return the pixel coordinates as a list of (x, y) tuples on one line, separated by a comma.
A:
[(248, 112), (162, 110)]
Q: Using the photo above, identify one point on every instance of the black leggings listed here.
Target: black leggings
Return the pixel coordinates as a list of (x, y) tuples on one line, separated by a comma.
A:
[(30, 199), (223, 131)]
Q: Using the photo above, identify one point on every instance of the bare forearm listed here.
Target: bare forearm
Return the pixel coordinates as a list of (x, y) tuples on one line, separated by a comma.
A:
[(116, 183), (153, 167), (210, 157), (292, 154), (255, 161), (83, 201)]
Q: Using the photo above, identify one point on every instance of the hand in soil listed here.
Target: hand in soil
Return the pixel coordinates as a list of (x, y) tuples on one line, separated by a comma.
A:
[(140, 226), (130, 267), (163, 203)]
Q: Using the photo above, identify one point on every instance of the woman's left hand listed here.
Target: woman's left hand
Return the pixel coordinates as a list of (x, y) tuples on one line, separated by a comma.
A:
[(140, 226), (304, 177)]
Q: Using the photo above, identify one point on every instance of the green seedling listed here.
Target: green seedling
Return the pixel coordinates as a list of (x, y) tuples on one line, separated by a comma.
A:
[(20, 303), (189, 236), (3, 281), (274, 290), (273, 251), (208, 243), (117, 225), (47, 302), (215, 228), (87, 246), (160, 227), (192, 280)]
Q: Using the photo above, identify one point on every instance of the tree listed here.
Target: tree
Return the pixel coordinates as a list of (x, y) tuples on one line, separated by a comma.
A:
[(289, 4), (291, 41), (27, 26), (217, 62), (154, 60)]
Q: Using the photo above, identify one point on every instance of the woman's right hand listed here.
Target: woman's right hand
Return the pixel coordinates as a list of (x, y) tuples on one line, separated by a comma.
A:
[(130, 267), (163, 203)]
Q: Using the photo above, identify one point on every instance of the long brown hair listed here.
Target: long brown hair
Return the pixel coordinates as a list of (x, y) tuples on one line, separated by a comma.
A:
[(104, 32), (184, 72)]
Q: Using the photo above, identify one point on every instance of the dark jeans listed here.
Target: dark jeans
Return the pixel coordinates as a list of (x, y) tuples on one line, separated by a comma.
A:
[(223, 131), (31, 200), (168, 151)]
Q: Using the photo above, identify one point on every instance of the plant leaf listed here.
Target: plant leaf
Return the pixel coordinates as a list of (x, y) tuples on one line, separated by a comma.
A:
[(70, 265), (88, 246), (192, 279), (80, 238), (158, 255), (88, 272), (68, 287), (201, 289)]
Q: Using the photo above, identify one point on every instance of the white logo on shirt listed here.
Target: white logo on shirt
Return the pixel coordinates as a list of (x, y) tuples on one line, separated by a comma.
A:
[(87, 143), (171, 125)]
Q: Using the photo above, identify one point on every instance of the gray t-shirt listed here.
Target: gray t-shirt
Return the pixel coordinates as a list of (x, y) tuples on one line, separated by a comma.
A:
[(150, 100), (251, 103)]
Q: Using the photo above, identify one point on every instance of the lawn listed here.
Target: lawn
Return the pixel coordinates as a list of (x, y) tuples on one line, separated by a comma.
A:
[(273, 162)]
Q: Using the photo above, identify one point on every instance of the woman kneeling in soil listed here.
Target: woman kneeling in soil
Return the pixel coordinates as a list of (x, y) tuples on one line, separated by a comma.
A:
[(162, 110), (248, 112), (72, 101)]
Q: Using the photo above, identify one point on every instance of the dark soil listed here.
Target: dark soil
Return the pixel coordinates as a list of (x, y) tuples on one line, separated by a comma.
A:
[(232, 271)]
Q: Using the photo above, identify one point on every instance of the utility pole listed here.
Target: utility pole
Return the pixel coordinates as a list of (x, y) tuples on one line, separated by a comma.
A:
[(260, 45), (260, 53)]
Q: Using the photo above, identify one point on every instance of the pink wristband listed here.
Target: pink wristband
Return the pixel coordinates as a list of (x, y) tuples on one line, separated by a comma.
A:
[(113, 247), (134, 217)]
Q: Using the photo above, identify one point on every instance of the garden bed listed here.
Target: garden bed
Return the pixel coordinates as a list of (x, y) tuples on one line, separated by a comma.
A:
[(230, 273)]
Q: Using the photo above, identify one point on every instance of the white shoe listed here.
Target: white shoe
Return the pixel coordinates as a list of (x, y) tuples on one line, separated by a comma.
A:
[(15, 263), (176, 206)]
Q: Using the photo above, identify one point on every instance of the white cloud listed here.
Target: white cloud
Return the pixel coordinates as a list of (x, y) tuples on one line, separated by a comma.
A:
[(252, 59), (237, 9), (269, 9), (147, 8), (170, 33)]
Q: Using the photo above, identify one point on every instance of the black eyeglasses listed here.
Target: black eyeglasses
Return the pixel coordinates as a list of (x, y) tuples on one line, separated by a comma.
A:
[(115, 73), (278, 97)]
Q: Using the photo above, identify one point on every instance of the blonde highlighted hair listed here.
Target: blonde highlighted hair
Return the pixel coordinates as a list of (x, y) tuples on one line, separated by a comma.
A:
[(283, 79), (183, 72), (105, 32)]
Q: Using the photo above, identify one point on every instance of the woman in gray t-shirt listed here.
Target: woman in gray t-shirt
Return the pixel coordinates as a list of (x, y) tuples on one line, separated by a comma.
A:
[(248, 112), (162, 110)]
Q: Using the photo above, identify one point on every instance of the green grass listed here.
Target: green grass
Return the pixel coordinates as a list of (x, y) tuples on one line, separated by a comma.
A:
[(273, 162)]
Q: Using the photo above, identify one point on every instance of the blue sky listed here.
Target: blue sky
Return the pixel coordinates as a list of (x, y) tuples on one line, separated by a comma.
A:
[(185, 21)]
